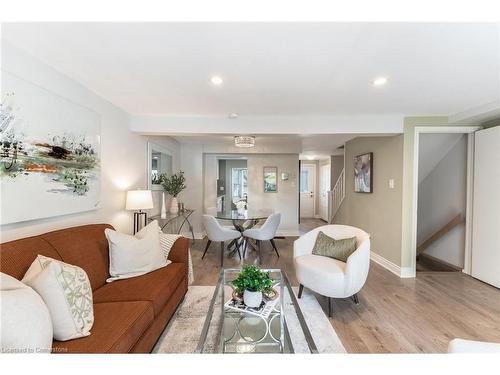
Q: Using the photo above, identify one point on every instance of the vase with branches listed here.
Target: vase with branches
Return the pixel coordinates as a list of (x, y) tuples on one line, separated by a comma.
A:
[(173, 185)]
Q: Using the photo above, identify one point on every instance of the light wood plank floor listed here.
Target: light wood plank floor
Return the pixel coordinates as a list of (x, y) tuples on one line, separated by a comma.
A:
[(395, 315)]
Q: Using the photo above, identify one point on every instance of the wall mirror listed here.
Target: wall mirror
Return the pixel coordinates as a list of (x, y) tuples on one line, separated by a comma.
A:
[(159, 162)]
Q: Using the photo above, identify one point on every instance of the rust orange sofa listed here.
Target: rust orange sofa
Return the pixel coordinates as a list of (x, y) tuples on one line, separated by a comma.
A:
[(130, 314)]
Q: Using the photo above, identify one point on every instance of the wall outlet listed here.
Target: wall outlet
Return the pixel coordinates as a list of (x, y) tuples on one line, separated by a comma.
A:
[(391, 183)]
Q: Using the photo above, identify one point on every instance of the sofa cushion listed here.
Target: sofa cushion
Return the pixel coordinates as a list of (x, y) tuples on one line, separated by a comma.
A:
[(117, 327), (86, 247), (17, 256), (156, 287)]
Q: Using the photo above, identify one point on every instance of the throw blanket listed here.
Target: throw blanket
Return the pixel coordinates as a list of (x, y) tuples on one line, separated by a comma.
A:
[(166, 242)]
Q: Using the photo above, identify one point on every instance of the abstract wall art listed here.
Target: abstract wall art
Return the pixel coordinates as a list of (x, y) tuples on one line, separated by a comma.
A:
[(270, 179), (49, 153), (363, 173)]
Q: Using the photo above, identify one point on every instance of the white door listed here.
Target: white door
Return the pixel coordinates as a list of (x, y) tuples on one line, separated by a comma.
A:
[(324, 188), (486, 207), (307, 188)]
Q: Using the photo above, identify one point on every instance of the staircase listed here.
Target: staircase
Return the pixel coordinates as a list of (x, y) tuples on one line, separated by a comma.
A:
[(336, 197)]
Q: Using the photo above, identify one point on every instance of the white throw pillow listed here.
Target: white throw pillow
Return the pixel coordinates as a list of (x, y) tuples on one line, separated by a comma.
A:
[(131, 256), (25, 324), (67, 293)]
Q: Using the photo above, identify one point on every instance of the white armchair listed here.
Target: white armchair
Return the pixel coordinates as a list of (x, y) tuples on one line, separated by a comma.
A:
[(327, 276)]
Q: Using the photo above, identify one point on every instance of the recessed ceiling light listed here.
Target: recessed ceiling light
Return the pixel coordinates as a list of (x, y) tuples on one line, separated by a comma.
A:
[(310, 157), (232, 116), (216, 80), (379, 81)]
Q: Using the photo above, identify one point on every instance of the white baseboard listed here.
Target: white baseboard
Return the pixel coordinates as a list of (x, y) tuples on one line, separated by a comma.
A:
[(197, 235), (288, 233), (403, 272)]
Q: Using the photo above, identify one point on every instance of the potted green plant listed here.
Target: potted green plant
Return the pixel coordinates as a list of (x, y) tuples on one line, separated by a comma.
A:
[(173, 185), (252, 282)]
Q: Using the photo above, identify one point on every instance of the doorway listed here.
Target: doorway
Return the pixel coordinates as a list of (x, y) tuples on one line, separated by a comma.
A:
[(419, 132), (232, 183), (442, 202), (307, 190), (324, 188)]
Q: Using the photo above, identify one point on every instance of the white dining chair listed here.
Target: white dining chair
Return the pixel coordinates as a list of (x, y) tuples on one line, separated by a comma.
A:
[(266, 232), (217, 233)]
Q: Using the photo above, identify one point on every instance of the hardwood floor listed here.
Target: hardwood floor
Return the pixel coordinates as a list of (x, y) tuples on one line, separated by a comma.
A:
[(395, 315)]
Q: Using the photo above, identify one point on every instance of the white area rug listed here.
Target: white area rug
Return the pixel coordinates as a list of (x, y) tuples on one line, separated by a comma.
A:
[(183, 332)]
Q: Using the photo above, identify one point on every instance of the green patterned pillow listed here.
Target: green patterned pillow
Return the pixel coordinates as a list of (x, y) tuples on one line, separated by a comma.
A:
[(337, 249), (66, 291)]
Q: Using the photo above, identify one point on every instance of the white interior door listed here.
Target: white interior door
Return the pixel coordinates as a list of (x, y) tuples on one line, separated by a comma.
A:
[(307, 188), (324, 187), (485, 262)]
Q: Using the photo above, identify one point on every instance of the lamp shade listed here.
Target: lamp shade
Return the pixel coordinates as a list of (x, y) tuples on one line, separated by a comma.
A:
[(139, 200)]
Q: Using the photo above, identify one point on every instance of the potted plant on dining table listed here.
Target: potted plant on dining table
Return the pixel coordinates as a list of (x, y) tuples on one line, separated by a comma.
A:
[(251, 283)]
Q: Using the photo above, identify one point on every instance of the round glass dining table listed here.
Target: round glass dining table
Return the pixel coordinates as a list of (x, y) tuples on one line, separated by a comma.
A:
[(243, 215), (243, 220)]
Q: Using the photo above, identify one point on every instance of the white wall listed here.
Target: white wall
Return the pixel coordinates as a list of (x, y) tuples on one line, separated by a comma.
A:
[(284, 201), (441, 196), (123, 153), (192, 197)]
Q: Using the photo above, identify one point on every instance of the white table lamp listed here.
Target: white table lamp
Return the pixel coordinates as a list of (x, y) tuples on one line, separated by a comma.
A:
[(138, 200)]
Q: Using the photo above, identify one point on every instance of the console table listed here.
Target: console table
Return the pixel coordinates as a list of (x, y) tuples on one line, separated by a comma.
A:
[(182, 216)]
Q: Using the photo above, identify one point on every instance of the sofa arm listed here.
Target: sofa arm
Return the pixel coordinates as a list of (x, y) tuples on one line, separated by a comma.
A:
[(180, 251)]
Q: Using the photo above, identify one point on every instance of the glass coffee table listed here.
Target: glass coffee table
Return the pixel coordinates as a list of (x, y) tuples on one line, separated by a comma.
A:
[(233, 331)]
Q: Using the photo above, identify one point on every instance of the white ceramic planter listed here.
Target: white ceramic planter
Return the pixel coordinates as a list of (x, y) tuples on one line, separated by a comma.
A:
[(252, 299), (174, 207), (163, 213)]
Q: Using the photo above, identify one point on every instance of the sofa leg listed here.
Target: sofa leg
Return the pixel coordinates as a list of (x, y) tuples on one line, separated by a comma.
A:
[(355, 299), (301, 289)]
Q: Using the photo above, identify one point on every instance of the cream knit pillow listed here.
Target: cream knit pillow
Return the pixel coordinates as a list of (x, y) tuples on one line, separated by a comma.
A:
[(66, 291), (25, 323)]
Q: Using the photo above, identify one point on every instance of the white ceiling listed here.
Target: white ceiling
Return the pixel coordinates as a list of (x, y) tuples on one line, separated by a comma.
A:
[(274, 68)]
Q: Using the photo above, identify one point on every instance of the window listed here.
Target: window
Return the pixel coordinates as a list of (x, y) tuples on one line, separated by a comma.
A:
[(239, 186)]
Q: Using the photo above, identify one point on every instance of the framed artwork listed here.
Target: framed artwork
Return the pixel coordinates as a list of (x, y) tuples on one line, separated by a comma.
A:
[(49, 153), (363, 173), (270, 179)]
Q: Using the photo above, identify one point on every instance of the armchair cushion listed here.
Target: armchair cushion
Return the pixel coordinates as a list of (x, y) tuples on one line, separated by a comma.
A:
[(337, 249), (325, 274)]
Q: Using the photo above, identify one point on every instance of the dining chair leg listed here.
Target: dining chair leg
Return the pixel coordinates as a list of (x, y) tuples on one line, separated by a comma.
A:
[(239, 245), (206, 249), (274, 247), (222, 253), (245, 247), (259, 245), (329, 306), (301, 289)]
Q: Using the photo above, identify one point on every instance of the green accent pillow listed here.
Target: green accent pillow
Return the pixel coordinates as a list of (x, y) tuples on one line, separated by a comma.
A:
[(337, 249)]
